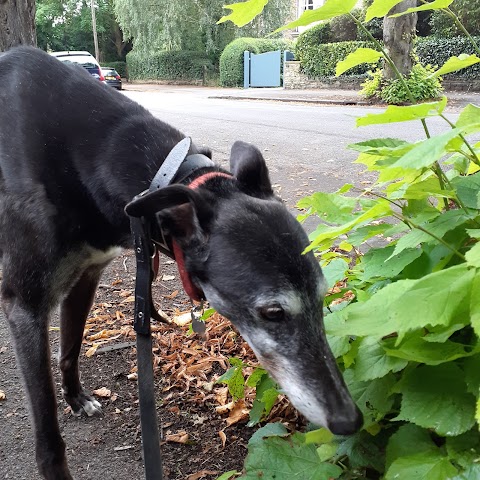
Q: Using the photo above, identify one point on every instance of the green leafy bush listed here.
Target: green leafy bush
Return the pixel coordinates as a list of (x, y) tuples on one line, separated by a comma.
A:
[(167, 65), (231, 60), (436, 51), (321, 60), (120, 67), (317, 35), (420, 82)]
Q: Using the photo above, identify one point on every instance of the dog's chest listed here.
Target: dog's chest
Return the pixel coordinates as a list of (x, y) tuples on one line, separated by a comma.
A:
[(79, 262)]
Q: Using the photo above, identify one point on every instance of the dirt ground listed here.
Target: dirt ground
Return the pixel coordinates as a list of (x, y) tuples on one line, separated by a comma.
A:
[(203, 431)]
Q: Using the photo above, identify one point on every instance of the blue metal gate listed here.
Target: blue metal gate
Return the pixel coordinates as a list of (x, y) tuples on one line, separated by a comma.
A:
[(262, 70)]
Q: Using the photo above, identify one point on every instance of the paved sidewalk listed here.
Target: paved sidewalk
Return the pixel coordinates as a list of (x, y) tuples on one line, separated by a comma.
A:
[(321, 97)]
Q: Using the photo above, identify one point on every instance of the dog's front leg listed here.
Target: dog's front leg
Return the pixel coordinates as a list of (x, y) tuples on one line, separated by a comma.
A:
[(29, 332), (73, 315)]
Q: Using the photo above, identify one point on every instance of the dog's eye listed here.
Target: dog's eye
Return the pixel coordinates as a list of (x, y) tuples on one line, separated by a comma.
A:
[(274, 312)]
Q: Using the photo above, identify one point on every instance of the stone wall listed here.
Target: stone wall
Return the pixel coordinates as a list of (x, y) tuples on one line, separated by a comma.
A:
[(293, 78)]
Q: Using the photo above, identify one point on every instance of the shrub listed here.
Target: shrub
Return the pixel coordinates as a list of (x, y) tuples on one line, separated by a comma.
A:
[(167, 65), (231, 60), (120, 67), (321, 60), (421, 85), (436, 51)]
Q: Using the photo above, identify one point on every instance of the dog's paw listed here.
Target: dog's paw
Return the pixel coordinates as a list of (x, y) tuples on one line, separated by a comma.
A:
[(83, 404)]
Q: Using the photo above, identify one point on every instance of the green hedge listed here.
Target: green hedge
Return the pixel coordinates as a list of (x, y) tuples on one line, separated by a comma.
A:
[(231, 60), (321, 60), (436, 51), (120, 67), (167, 65)]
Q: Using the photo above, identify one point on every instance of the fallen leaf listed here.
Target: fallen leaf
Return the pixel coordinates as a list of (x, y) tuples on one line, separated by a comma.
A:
[(103, 392), (223, 437), (113, 397), (91, 351), (201, 474), (179, 437), (130, 299), (238, 413), (3, 396), (172, 295), (125, 447), (182, 319)]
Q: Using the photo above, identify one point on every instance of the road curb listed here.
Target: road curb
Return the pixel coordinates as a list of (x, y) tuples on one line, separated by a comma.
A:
[(293, 100)]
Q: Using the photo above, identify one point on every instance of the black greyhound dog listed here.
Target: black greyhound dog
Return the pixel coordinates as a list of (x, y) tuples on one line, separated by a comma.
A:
[(73, 155)]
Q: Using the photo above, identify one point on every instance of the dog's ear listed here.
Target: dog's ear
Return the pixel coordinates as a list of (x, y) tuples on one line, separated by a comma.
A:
[(183, 212), (249, 168)]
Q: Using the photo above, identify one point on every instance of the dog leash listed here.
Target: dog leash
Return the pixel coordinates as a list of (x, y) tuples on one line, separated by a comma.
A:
[(146, 253)]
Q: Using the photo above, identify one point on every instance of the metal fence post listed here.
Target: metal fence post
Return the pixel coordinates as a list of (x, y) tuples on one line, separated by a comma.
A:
[(246, 69)]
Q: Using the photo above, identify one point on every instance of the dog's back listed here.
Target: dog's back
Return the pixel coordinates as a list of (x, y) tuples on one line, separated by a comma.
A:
[(88, 148)]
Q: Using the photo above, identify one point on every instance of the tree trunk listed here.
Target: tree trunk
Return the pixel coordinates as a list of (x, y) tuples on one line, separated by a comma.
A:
[(398, 36), (17, 23)]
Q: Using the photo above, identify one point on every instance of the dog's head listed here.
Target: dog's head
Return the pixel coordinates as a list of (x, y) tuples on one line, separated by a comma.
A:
[(245, 251)]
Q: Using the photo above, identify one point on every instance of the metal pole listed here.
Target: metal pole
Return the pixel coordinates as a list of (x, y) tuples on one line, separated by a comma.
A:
[(94, 25)]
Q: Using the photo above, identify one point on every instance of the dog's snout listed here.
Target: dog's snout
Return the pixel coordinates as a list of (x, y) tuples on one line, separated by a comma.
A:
[(346, 424)]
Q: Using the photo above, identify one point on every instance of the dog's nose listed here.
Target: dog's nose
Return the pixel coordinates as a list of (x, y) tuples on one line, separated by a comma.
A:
[(346, 424)]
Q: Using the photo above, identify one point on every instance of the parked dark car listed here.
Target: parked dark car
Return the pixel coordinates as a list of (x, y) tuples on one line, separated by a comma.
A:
[(112, 78), (85, 59)]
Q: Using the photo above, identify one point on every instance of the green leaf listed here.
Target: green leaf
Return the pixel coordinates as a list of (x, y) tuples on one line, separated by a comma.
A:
[(243, 12), (380, 209), (417, 350), (363, 450), (330, 9), (470, 115), (207, 314), (379, 146), (471, 473), (381, 262), (372, 361), (379, 8), (408, 440), (255, 377), (332, 207), (269, 430), (464, 449), (473, 255), (327, 451), (361, 234), (373, 398), (454, 64), (228, 475), (427, 152), (425, 466), (468, 189), (436, 398), (435, 299), (319, 436), (277, 458), (472, 374), (435, 5), (359, 56), (335, 271), (395, 113), (338, 345), (438, 227), (475, 305)]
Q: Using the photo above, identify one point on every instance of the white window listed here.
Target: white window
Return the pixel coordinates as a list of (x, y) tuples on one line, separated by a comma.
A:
[(308, 5)]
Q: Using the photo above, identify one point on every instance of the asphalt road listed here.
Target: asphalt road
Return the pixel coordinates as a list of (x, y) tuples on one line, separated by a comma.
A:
[(305, 145)]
